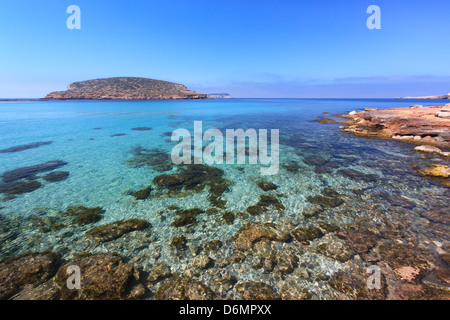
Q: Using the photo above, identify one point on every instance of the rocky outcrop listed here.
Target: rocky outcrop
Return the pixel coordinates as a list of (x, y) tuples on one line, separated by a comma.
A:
[(427, 125), (126, 88)]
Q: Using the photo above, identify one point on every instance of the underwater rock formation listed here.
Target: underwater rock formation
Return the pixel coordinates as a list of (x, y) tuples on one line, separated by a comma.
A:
[(116, 229), (27, 269), (104, 276)]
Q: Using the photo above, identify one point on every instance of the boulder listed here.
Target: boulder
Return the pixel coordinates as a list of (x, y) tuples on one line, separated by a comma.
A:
[(104, 276), (27, 269), (184, 288)]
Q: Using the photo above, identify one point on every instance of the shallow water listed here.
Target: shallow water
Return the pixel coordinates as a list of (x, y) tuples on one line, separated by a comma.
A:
[(96, 140)]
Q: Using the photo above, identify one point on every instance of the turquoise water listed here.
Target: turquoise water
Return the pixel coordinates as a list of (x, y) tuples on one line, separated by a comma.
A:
[(82, 135)]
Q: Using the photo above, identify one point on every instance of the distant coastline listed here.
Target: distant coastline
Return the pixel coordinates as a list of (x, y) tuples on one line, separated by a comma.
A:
[(442, 97)]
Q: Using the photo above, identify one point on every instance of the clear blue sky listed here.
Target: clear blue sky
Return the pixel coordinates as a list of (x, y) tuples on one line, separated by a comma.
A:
[(298, 48)]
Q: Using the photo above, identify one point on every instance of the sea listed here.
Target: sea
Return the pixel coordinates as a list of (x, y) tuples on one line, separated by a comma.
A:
[(102, 152)]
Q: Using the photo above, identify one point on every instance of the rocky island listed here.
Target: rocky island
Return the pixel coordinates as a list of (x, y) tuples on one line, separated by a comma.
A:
[(126, 88)]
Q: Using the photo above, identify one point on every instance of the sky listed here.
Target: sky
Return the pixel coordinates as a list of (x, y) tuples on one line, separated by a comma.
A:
[(264, 49)]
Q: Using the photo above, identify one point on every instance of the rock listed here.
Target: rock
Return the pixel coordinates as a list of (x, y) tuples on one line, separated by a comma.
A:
[(104, 276), (354, 285), (429, 149), (305, 235), (253, 232), (445, 115), (184, 288), (31, 171), (356, 175), (158, 273), (312, 211), (286, 261), (325, 201), (416, 106), (201, 261), (213, 246), (186, 217), (84, 215), (46, 291), (265, 201), (56, 176), (157, 159), (402, 124), (143, 194), (178, 242), (291, 291), (358, 239), (27, 269), (142, 129), (116, 229), (252, 290), (26, 147), (436, 170), (334, 249), (267, 186), (406, 261), (19, 187), (228, 217)]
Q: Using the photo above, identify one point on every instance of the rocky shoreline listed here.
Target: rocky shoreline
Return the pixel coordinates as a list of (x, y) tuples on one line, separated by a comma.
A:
[(427, 127)]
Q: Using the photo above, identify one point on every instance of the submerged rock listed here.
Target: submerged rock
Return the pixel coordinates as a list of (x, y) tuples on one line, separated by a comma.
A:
[(305, 235), (27, 269), (357, 175), (56, 176), (143, 194), (252, 290), (406, 261), (197, 177), (104, 276), (158, 273), (184, 288), (228, 217), (325, 201), (354, 285), (19, 187), (267, 186), (25, 147), (31, 171), (178, 242), (84, 215), (186, 217), (265, 201), (157, 159), (142, 129), (253, 232), (116, 229)]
